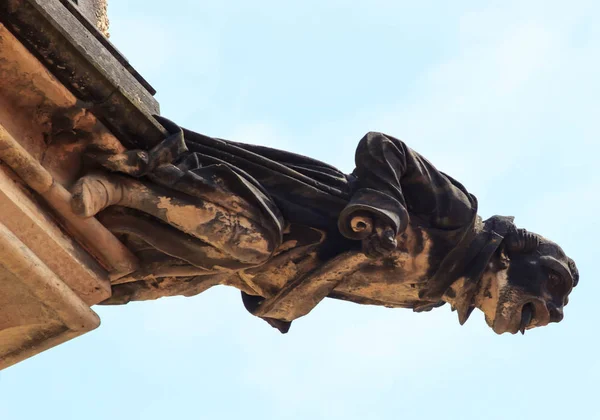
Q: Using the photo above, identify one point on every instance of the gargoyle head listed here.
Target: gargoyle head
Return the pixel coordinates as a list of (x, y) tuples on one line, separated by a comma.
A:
[(527, 284)]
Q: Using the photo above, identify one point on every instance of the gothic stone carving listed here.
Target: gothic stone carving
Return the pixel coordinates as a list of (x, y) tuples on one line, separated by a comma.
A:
[(289, 231)]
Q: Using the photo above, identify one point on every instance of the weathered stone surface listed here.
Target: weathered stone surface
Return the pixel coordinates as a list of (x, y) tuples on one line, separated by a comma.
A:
[(89, 67), (53, 264), (96, 12), (38, 310), (39, 232), (43, 132)]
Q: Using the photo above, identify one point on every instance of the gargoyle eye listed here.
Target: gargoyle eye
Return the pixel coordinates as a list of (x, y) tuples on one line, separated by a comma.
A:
[(557, 285), (553, 279)]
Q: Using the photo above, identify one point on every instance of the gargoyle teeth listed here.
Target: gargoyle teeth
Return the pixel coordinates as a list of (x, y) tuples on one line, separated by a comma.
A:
[(526, 316), (464, 314)]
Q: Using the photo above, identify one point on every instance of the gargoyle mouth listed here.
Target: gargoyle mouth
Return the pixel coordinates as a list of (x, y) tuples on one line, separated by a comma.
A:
[(519, 316), (527, 315)]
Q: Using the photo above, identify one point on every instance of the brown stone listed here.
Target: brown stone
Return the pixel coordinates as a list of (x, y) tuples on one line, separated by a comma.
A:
[(38, 309), (96, 12), (54, 265)]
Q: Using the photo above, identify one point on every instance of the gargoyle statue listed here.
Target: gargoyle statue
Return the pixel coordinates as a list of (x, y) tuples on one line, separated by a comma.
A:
[(289, 231)]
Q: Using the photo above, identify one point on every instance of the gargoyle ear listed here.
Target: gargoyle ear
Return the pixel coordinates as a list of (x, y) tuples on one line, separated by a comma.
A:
[(574, 271), (521, 241)]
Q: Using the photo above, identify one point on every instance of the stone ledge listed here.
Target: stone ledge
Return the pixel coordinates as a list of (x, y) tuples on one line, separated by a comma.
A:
[(39, 310), (33, 226), (93, 73)]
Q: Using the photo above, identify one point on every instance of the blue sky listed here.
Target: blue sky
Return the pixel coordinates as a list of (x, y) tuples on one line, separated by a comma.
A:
[(501, 95)]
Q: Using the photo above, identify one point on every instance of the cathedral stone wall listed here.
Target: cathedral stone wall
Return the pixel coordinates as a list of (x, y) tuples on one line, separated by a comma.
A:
[(96, 12)]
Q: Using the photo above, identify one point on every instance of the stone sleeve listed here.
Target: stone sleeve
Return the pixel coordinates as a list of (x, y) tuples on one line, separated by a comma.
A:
[(393, 181)]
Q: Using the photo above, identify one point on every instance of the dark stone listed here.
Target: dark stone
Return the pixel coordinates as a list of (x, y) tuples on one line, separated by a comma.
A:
[(396, 232)]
